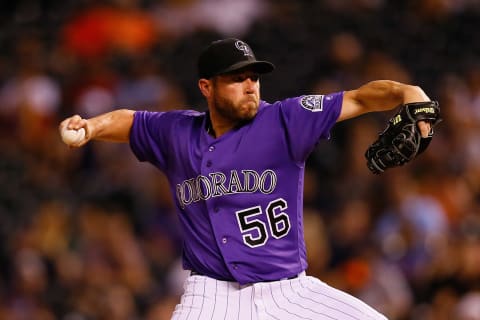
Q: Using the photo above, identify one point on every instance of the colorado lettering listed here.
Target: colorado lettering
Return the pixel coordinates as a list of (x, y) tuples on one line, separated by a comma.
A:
[(218, 184)]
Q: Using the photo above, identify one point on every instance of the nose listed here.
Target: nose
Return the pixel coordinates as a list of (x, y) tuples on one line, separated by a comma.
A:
[(250, 85)]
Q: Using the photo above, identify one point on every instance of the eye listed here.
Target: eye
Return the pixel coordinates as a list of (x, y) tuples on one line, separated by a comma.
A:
[(239, 78), (242, 77), (254, 77)]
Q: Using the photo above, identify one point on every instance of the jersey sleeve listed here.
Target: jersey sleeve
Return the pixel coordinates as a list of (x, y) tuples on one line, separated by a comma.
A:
[(148, 138), (308, 119)]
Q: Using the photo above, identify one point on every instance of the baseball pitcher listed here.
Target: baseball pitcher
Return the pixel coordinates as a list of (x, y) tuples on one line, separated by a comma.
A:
[(236, 173)]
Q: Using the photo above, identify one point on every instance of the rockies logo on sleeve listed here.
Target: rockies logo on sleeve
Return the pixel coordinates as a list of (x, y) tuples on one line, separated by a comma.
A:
[(313, 103)]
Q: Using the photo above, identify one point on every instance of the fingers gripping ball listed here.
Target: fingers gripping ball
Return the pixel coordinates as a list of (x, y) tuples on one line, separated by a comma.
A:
[(73, 137), (401, 140)]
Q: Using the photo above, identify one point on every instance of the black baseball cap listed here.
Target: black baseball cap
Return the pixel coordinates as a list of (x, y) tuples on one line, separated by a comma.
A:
[(227, 55)]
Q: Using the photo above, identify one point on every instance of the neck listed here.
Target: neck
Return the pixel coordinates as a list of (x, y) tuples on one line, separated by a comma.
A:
[(218, 126), (217, 130)]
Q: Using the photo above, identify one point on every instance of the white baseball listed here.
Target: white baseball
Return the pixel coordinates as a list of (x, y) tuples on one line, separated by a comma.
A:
[(71, 137)]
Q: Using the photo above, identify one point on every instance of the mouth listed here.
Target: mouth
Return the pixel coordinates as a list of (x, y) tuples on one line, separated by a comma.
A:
[(251, 99), (250, 105)]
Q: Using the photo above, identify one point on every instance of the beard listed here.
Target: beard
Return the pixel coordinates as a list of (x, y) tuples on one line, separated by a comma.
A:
[(241, 111)]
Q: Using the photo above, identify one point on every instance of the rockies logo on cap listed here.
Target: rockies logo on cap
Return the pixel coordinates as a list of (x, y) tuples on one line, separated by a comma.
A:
[(242, 46)]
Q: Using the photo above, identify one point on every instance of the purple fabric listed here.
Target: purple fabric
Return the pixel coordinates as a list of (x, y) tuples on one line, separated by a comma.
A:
[(239, 197)]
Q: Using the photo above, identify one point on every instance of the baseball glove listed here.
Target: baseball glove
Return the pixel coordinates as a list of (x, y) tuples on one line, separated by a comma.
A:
[(401, 140)]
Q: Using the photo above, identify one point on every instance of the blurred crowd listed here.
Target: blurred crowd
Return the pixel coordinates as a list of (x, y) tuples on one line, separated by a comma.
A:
[(91, 233)]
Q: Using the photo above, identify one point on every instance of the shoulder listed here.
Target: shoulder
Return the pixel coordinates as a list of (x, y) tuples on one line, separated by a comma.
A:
[(276, 106), (309, 102), (174, 115), (157, 121)]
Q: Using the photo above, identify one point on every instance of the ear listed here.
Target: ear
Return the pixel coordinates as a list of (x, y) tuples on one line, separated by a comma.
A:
[(205, 87)]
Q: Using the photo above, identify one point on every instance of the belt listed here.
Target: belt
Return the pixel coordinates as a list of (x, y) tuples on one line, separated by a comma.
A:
[(292, 277), (195, 273)]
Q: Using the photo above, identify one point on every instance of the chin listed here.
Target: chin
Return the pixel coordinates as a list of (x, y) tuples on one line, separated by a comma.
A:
[(249, 114)]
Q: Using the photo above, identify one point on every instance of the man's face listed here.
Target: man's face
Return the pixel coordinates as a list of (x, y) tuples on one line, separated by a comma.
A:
[(236, 96)]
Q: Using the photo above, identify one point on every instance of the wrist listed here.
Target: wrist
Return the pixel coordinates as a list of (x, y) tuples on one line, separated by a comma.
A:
[(414, 94), (91, 128)]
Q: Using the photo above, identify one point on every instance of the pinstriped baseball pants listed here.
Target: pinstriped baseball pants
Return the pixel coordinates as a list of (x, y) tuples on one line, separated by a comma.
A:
[(304, 297)]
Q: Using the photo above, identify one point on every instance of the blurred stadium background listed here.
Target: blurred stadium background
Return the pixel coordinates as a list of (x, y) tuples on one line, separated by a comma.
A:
[(91, 233)]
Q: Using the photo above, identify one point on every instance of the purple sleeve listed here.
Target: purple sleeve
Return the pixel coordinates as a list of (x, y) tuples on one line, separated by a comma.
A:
[(309, 119), (146, 139)]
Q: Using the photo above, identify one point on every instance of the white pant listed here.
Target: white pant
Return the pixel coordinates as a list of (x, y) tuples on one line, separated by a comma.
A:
[(304, 297)]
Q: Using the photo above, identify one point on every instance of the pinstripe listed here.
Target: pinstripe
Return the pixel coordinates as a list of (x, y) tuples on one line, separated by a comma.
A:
[(239, 300), (303, 307), (203, 295), (323, 304), (273, 298), (193, 297), (357, 304), (352, 306), (215, 299), (328, 296), (252, 303), (226, 309), (266, 309)]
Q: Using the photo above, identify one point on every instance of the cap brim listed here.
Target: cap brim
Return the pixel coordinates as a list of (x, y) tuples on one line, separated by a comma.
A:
[(257, 66)]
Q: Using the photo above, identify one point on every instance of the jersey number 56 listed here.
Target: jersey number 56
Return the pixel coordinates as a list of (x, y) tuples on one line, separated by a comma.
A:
[(254, 231)]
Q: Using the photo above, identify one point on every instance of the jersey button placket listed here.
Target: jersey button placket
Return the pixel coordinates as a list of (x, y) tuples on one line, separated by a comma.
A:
[(224, 240), (208, 164)]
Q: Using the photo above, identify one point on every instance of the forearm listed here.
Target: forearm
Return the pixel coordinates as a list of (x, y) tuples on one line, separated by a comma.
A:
[(385, 95), (379, 95), (112, 126)]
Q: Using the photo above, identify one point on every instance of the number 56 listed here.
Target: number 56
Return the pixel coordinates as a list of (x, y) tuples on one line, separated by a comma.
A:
[(254, 231)]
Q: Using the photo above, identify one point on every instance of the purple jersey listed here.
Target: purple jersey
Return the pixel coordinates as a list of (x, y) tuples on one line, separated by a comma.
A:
[(239, 197)]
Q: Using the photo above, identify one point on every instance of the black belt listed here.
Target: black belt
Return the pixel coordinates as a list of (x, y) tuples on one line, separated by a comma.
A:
[(195, 273)]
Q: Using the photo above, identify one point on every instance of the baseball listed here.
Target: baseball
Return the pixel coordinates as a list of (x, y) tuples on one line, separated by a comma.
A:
[(71, 137)]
